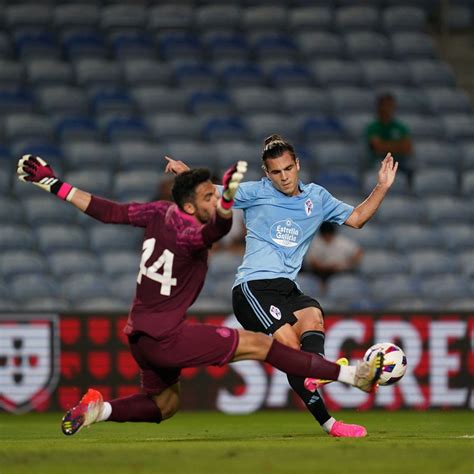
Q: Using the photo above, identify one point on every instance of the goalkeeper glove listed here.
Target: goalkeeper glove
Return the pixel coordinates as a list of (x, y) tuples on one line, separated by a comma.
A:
[(35, 170), (230, 182)]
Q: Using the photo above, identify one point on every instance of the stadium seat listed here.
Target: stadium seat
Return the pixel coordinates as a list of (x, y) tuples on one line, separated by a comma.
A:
[(48, 72), (101, 303), (261, 18), (436, 154), (318, 128), (357, 18), (11, 72), (123, 286), (256, 99), (409, 100), (146, 72), (444, 287), (444, 209), (59, 236), (409, 45), (228, 152), (431, 182), (298, 100), (123, 127), (391, 289), (84, 286), (35, 42), (24, 126), (429, 262), (414, 304), (222, 44), (457, 237), (72, 127), (45, 209), (465, 260), (62, 99), (129, 181), (468, 183), (123, 16), (224, 264), (159, 99), (264, 124), (84, 43), (28, 14), (272, 45), (24, 287), (346, 288), (6, 48), (170, 17), (309, 284), (45, 303), (333, 72), (462, 304), (338, 181), (385, 72), (68, 262), (89, 154), (287, 75), (467, 150), (222, 17), (5, 178), (76, 15), (370, 237), (140, 155), (355, 124), (96, 71), (17, 262), (213, 102), (400, 187), (238, 73), (382, 262), (404, 17), (11, 211), (422, 126), (352, 99), (110, 99), (443, 100), (191, 74), (406, 237), (179, 45), (429, 73), (459, 125), (105, 238), (16, 237), (119, 262), (334, 154), (169, 126), (311, 18), (320, 45), (367, 45)]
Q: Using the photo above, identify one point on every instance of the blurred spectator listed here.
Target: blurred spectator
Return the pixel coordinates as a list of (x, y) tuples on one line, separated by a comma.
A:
[(330, 253), (387, 134)]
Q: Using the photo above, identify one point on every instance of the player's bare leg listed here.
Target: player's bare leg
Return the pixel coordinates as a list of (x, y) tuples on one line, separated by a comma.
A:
[(257, 346)]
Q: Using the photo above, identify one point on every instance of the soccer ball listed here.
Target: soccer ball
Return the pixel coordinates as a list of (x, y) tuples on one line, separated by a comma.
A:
[(395, 362)]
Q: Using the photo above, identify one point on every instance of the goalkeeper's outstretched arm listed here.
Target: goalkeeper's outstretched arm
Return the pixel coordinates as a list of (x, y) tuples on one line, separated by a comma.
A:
[(35, 170)]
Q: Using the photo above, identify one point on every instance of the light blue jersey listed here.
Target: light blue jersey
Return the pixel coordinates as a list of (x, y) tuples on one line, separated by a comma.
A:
[(280, 228)]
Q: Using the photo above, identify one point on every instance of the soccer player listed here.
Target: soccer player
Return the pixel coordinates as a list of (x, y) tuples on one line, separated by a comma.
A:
[(171, 274), (282, 215)]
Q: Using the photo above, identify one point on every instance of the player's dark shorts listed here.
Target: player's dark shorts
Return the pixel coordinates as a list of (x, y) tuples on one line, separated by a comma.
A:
[(190, 345), (266, 305)]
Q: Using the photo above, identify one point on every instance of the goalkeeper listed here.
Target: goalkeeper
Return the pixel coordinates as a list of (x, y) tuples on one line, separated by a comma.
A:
[(171, 274)]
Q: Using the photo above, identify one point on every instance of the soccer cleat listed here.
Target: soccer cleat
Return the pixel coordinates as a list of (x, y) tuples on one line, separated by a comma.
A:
[(314, 384), (344, 430), (368, 373), (83, 414)]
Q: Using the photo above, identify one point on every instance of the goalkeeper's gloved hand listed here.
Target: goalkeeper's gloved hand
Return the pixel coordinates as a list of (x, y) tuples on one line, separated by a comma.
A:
[(35, 170), (231, 180)]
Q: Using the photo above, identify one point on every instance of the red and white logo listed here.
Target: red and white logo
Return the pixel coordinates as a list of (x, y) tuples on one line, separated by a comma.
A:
[(29, 360)]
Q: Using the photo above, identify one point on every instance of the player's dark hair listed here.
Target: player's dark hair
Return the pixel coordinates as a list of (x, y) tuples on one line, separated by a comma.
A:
[(185, 184), (384, 96), (274, 146)]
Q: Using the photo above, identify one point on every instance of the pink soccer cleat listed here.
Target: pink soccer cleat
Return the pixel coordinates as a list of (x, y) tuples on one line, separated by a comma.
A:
[(83, 414), (315, 384), (344, 430)]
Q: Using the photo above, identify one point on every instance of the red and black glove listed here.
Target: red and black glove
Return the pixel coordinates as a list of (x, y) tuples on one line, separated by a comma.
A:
[(230, 182), (35, 170)]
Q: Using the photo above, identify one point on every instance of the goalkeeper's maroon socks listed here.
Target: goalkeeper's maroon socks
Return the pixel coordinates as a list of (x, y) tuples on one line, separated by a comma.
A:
[(138, 408), (300, 363)]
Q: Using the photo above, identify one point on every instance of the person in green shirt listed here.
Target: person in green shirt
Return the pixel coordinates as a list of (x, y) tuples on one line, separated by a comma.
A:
[(387, 134)]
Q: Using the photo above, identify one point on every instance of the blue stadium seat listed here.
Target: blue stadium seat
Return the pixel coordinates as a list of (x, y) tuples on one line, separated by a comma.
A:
[(76, 15), (123, 16), (459, 126), (159, 99), (223, 128), (120, 127), (16, 237), (44, 210), (110, 99), (72, 127), (406, 237), (169, 126), (443, 209), (11, 211), (25, 287), (116, 263), (48, 72), (11, 72), (317, 127), (61, 99), (68, 262), (224, 44), (320, 45), (6, 49), (357, 18), (305, 99), (191, 152), (34, 42), (457, 236), (382, 262), (229, 152), (93, 181), (170, 17), (256, 99), (57, 236), (429, 262), (436, 154), (129, 181), (17, 262), (275, 45), (106, 238), (367, 45), (335, 153), (288, 75), (97, 71), (444, 287), (385, 72), (223, 17), (431, 182), (445, 100), (210, 102), (135, 155), (179, 45), (91, 154), (84, 43), (413, 45), (146, 72), (261, 18), (312, 18), (404, 17), (240, 73), (427, 73), (263, 124), (192, 74), (332, 72), (84, 286), (338, 181)]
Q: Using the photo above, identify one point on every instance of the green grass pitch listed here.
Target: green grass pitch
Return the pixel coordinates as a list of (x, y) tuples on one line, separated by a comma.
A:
[(265, 442)]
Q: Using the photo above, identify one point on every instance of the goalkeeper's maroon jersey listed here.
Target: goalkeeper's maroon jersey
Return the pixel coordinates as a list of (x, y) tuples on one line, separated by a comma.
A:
[(173, 265)]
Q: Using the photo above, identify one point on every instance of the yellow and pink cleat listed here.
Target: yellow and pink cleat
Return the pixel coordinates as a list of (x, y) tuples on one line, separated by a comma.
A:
[(83, 414), (315, 384)]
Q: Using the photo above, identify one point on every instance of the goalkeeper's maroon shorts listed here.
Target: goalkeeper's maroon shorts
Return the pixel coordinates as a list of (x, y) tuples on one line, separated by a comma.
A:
[(190, 345)]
